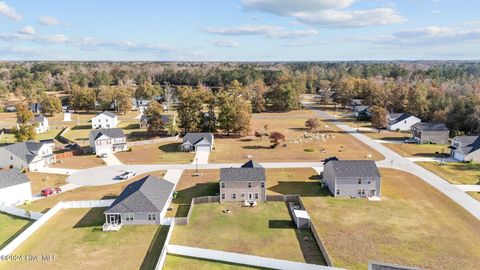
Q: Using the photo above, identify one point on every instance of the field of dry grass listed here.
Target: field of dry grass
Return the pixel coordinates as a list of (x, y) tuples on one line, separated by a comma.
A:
[(456, 173), (156, 154), (41, 181), (418, 150), (79, 162)]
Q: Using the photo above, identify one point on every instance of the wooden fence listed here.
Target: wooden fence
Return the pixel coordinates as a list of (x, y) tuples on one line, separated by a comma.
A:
[(206, 199), (197, 200), (283, 198)]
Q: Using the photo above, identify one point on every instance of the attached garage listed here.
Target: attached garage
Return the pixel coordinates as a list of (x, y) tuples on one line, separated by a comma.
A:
[(458, 156), (202, 148)]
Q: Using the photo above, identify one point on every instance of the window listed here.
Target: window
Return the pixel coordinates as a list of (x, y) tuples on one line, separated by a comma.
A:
[(223, 196), (369, 181), (249, 184), (262, 184), (151, 216), (234, 196), (361, 191), (223, 185), (359, 181), (129, 217), (256, 195), (338, 191)]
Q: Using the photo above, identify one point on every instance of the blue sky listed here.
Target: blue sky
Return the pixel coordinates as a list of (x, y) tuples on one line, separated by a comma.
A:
[(239, 30)]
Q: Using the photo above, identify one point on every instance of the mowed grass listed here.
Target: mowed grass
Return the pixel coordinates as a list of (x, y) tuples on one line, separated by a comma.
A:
[(75, 236), (301, 181), (418, 150), (174, 262), (414, 224), (10, 227), (264, 230), (84, 193), (40, 181), (79, 162), (156, 154), (292, 126), (455, 172)]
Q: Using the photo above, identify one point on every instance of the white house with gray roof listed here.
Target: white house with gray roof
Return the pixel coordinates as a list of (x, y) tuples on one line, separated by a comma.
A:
[(108, 141), (105, 120), (466, 148), (15, 187), (197, 142), (246, 183), (401, 121), (28, 155), (352, 178), (144, 201), (41, 124)]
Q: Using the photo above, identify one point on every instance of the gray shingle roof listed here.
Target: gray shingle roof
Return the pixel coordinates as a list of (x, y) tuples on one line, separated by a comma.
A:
[(148, 194), (361, 108), (25, 151), (423, 126), (39, 118), (109, 114), (12, 177), (355, 168), (394, 118), (111, 132), (249, 172), (194, 138), (468, 144)]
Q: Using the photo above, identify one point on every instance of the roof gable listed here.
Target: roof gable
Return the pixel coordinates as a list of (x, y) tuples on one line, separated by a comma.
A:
[(12, 177), (111, 133), (25, 151), (251, 164), (354, 168), (242, 174), (468, 144), (106, 114), (194, 138)]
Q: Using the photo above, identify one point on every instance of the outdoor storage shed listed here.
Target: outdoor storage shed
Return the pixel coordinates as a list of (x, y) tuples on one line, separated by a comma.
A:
[(302, 219)]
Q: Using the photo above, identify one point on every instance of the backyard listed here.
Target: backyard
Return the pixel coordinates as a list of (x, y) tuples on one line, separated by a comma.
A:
[(10, 227), (76, 238), (155, 153), (455, 172), (302, 181), (41, 181), (248, 230), (174, 262)]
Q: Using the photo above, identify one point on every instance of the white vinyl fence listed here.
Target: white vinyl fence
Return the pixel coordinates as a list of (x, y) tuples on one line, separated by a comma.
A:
[(238, 258), (163, 254), (20, 212), (15, 243)]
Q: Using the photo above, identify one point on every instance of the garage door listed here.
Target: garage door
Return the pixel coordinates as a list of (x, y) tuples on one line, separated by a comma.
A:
[(458, 156), (202, 148)]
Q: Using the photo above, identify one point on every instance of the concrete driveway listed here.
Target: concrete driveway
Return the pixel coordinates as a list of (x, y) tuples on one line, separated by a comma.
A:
[(112, 160), (201, 157)]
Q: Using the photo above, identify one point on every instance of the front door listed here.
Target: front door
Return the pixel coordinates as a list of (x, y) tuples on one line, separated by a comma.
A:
[(250, 196), (112, 219), (372, 192)]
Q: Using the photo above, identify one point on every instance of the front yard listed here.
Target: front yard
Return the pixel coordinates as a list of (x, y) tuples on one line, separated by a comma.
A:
[(79, 162), (418, 150), (174, 262), (457, 173), (155, 154), (264, 230), (41, 181), (10, 227), (76, 238)]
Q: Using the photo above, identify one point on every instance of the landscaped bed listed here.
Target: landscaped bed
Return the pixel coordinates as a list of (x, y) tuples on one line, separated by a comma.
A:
[(10, 227), (455, 172), (174, 262), (155, 153), (40, 181), (264, 230), (75, 236)]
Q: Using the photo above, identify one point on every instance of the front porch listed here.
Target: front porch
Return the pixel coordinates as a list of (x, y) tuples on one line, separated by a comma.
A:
[(113, 222)]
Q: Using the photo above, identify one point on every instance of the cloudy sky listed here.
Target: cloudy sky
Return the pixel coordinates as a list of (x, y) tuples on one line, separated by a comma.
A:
[(239, 30)]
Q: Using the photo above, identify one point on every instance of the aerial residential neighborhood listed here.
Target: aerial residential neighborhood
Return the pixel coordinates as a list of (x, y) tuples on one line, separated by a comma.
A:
[(245, 134)]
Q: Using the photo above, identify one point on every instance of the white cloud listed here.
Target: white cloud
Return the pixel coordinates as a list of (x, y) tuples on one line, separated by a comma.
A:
[(27, 30), (44, 39), (9, 12), (289, 7), (302, 43), (226, 43), (50, 21), (261, 30)]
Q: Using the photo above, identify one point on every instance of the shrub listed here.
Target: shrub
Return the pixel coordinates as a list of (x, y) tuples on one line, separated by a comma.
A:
[(308, 150)]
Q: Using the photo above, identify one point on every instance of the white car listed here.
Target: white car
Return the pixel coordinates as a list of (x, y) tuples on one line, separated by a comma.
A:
[(127, 174), (104, 155)]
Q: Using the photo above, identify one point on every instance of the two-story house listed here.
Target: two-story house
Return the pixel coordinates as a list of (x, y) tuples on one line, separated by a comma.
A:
[(105, 120), (430, 133), (41, 124), (28, 155), (466, 148), (244, 184), (107, 141)]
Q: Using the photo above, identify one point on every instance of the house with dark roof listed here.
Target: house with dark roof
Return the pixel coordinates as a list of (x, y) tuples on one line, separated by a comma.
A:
[(430, 133), (104, 120), (164, 117), (352, 178), (15, 187), (401, 121), (362, 111), (107, 141), (197, 142), (144, 201), (465, 148), (40, 123), (244, 184), (28, 155)]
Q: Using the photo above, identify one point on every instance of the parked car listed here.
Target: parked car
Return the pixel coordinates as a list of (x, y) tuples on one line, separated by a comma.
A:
[(127, 174), (410, 140), (103, 155), (50, 191)]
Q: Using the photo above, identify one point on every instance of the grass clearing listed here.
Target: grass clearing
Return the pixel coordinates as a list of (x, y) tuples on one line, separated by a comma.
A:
[(457, 173), (79, 162), (41, 181), (418, 150), (75, 236), (174, 262), (155, 154), (248, 230), (301, 181), (10, 227)]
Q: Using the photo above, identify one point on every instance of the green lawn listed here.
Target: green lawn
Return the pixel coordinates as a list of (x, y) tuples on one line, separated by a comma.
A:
[(455, 173), (265, 230), (75, 236), (174, 262), (10, 227), (418, 150), (155, 154)]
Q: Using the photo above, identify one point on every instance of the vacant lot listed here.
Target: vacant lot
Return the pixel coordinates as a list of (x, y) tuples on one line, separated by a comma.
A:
[(455, 173), (155, 154), (299, 148), (84, 193), (259, 230), (174, 262), (414, 224), (418, 150), (79, 162), (41, 181), (301, 181), (10, 227), (75, 236)]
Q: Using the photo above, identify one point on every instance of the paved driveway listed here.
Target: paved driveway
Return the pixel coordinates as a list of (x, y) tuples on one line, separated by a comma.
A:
[(111, 159), (201, 157)]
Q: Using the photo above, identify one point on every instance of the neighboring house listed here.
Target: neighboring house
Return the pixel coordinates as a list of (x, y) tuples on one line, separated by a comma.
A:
[(35, 107), (107, 141), (352, 178), (27, 155), (356, 102), (15, 187), (165, 119), (246, 183), (105, 120), (141, 104), (10, 109), (144, 201), (401, 121), (466, 148), (41, 124), (197, 142), (388, 266), (362, 111), (430, 133)]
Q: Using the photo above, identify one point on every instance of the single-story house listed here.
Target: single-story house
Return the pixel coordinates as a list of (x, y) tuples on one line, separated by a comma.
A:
[(165, 119), (28, 155), (144, 201), (401, 121), (465, 148), (246, 183), (352, 178), (362, 111), (105, 119), (41, 124), (430, 133), (197, 142), (108, 141), (15, 187)]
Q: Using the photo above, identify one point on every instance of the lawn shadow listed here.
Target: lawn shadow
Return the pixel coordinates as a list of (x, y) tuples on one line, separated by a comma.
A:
[(185, 196), (156, 246), (81, 127), (280, 224), (256, 147), (299, 129), (310, 250), (132, 126), (182, 210), (2, 245), (170, 147), (109, 196), (94, 217), (304, 189)]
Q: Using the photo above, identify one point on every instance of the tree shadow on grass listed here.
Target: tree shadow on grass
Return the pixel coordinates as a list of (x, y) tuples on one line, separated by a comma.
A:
[(94, 217), (81, 127), (156, 246), (304, 189), (170, 147)]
